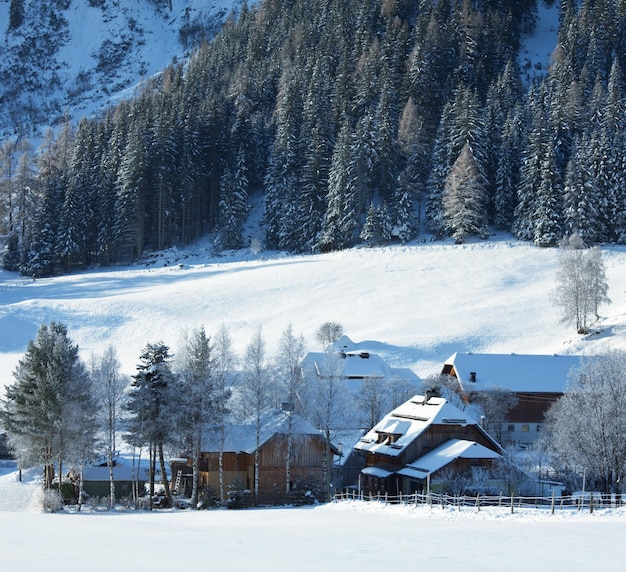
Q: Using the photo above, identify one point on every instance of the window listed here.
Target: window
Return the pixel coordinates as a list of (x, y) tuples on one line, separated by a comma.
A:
[(510, 428), (538, 428), (524, 428)]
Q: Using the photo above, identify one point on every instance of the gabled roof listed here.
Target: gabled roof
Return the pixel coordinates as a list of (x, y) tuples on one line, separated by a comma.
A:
[(347, 365), (516, 372), (408, 421), (443, 455), (348, 360), (242, 438), (120, 473)]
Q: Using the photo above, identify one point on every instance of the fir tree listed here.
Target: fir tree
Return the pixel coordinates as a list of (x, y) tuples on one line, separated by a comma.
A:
[(151, 405), (49, 408)]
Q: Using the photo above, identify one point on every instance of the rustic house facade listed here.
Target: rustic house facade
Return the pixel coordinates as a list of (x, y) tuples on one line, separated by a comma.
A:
[(310, 465), (423, 439), (536, 380)]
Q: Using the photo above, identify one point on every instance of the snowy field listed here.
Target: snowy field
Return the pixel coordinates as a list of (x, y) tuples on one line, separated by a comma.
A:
[(414, 304), (346, 536)]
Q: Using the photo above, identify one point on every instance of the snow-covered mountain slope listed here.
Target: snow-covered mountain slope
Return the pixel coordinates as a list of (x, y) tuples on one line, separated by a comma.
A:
[(415, 305), (76, 57)]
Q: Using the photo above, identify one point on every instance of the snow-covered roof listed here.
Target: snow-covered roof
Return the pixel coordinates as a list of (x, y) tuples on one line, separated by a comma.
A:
[(349, 365), (354, 362), (242, 438), (516, 372), (443, 455), (120, 473), (408, 421)]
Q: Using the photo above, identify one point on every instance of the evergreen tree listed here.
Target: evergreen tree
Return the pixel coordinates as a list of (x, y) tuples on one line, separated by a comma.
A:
[(464, 198), (49, 408), (234, 203), (377, 226), (340, 220), (152, 405)]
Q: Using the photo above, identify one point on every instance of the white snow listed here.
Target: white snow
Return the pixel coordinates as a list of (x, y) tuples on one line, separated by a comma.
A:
[(415, 305), (347, 536)]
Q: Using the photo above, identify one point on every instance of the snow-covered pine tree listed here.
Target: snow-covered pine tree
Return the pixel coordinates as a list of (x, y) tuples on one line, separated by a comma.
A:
[(152, 407), (233, 203), (377, 226), (47, 409), (340, 221), (464, 198)]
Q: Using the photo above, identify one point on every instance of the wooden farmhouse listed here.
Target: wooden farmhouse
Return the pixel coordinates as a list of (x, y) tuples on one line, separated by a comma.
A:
[(354, 363), (238, 448), (423, 440), (536, 380)]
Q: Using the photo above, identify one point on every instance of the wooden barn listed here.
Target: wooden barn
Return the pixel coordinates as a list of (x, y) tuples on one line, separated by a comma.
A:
[(239, 446), (420, 440), (536, 380)]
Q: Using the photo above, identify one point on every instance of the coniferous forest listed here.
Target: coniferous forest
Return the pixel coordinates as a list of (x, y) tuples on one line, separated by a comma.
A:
[(358, 122)]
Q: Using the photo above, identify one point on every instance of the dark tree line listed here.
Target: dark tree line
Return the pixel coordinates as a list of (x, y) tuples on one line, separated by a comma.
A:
[(351, 119)]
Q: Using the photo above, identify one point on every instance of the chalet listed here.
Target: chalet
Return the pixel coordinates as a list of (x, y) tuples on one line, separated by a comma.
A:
[(424, 438), (238, 458), (354, 363), (536, 380)]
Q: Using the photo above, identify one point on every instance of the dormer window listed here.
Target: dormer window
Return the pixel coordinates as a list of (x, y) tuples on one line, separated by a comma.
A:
[(388, 438)]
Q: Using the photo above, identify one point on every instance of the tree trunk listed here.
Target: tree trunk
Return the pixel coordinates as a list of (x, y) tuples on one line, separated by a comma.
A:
[(152, 471), (111, 480), (195, 476), (166, 484)]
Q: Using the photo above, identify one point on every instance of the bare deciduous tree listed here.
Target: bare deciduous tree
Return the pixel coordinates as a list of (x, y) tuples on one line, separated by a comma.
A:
[(586, 425), (581, 283), (328, 333)]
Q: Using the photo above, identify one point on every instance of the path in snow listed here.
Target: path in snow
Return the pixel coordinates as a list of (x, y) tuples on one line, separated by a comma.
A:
[(16, 496)]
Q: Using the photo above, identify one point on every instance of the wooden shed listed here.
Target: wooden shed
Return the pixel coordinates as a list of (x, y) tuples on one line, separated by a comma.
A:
[(238, 448)]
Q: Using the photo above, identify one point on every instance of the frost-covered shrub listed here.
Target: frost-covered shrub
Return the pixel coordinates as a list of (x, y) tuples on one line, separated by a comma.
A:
[(238, 496), (207, 498), (52, 501)]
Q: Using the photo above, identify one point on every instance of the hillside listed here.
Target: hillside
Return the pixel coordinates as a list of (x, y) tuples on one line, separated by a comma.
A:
[(414, 304), (77, 58)]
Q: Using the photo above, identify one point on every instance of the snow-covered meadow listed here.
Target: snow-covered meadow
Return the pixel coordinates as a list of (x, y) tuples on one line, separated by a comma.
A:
[(345, 536), (414, 304)]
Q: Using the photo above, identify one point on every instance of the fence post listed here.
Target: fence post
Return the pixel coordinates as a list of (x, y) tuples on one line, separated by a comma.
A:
[(591, 503), (552, 503), (512, 503), (478, 502)]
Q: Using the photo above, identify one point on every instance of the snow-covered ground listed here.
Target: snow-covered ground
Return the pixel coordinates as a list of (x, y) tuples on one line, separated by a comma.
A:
[(345, 536), (414, 304)]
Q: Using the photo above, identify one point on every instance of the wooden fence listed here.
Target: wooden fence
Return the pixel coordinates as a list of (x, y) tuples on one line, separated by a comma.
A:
[(588, 502)]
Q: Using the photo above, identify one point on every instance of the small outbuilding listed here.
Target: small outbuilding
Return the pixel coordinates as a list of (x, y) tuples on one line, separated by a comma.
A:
[(310, 464)]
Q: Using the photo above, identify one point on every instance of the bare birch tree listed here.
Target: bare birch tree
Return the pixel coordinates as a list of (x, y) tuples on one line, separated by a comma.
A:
[(586, 425), (256, 392), (289, 375), (110, 389), (581, 283)]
